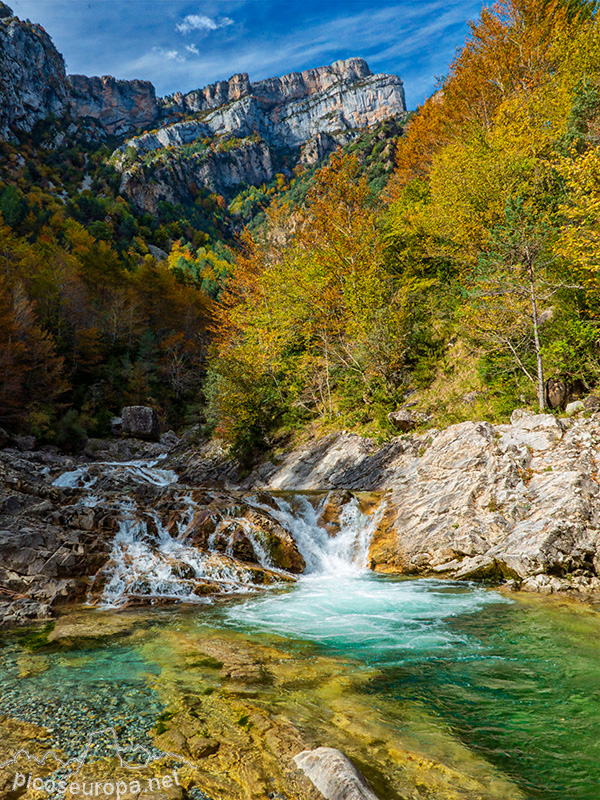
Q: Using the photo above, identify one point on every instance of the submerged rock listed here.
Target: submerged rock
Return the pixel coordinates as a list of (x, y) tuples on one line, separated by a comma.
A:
[(334, 775)]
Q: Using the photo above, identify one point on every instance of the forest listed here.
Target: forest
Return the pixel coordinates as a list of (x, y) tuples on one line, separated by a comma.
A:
[(455, 284)]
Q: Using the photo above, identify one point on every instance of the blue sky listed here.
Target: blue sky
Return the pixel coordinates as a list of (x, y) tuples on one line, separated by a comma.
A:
[(181, 45)]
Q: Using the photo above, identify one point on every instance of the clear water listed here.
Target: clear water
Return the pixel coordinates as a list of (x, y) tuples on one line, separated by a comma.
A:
[(517, 680)]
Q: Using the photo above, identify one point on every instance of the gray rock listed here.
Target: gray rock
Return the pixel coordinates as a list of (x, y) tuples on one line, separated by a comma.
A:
[(141, 422), (158, 254), (334, 775), (575, 407), (33, 82), (116, 426), (592, 403), (25, 443), (402, 420), (169, 439)]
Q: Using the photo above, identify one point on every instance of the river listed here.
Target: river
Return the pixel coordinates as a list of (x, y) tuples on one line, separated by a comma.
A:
[(429, 685)]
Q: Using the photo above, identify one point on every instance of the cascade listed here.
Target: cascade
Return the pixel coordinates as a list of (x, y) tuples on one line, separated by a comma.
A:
[(175, 542)]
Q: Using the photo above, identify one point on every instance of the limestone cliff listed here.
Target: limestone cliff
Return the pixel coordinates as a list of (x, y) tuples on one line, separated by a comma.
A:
[(286, 111), (172, 176), (33, 83), (309, 113), (119, 105)]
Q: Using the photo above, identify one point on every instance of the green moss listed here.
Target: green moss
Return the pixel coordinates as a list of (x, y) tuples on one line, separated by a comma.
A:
[(36, 639)]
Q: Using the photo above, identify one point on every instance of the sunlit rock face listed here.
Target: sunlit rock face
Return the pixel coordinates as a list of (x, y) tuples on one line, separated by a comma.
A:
[(119, 105), (286, 111), (517, 502), (305, 115), (33, 83)]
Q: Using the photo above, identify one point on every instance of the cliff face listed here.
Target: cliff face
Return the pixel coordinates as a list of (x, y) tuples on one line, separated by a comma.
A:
[(33, 83), (272, 91), (286, 111), (170, 179), (309, 113), (118, 105)]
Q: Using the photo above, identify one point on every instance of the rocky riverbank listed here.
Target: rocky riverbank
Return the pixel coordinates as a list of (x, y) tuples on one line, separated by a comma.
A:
[(517, 504)]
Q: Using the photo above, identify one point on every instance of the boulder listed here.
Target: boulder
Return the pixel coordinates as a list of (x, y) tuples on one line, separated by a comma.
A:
[(116, 426), (140, 422), (557, 392), (402, 420), (25, 443), (575, 407), (334, 775), (592, 403)]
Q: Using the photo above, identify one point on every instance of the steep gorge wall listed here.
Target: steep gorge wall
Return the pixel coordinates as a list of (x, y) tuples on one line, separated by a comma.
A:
[(118, 105), (33, 82)]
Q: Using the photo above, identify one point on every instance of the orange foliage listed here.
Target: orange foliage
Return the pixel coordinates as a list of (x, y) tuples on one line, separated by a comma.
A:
[(511, 50)]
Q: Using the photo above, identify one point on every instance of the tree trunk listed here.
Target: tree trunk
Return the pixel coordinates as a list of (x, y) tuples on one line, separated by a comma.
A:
[(536, 336)]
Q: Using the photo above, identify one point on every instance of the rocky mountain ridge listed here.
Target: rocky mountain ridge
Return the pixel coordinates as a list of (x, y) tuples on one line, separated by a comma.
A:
[(304, 115), (34, 85)]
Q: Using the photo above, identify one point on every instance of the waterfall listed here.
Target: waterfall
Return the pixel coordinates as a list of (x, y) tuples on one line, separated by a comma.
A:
[(346, 553), (175, 542)]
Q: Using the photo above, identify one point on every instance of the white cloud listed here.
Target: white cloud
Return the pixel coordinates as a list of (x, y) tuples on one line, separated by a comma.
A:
[(200, 22), (170, 55), (191, 48)]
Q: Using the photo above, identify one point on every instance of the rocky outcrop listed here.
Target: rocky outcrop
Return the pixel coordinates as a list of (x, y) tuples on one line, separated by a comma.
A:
[(172, 177), (33, 82), (119, 105), (518, 502), (141, 422), (309, 113)]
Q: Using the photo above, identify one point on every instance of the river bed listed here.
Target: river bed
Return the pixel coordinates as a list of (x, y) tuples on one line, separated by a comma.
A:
[(501, 693)]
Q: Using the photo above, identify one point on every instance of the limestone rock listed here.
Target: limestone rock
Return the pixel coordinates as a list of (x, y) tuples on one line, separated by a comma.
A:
[(574, 408), (475, 501), (141, 422), (402, 420), (33, 82), (119, 105), (334, 775)]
